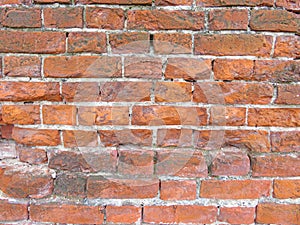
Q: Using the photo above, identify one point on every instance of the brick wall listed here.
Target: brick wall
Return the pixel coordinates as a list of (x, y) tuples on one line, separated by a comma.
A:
[(150, 112)]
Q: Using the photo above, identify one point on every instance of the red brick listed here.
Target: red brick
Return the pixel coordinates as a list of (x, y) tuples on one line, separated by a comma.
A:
[(233, 44), (136, 162), (273, 213), (79, 138), (10, 211), (130, 42), (143, 67), (165, 20), (173, 2), (123, 214), (103, 115), (235, 3), (287, 141), (174, 137), (105, 18), (7, 150), (188, 69), (288, 94), (168, 115), (233, 69), (126, 136), (125, 91), (82, 66), (87, 42), (255, 141), (80, 91), (32, 155), (32, 42), (176, 43), (6, 131), (21, 66), (71, 161), (274, 20), (289, 4), (235, 189), (20, 17), (286, 188), (52, 1), (21, 114), (25, 181), (70, 185), (1, 68), (277, 70), (1, 120), (60, 213), (113, 188), (59, 114), (228, 19), (230, 116), (63, 17), (173, 92), (230, 162), (258, 70), (17, 2), (281, 117), (195, 214), (237, 215), (183, 164), (233, 93), (38, 137), (117, 2), (287, 46), (29, 91), (86, 160), (275, 166), (178, 190)]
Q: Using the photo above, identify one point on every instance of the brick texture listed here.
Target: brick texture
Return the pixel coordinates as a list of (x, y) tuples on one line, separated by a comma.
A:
[(149, 112)]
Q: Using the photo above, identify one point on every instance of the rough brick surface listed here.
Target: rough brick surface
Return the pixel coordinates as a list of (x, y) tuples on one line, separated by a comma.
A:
[(149, 112)]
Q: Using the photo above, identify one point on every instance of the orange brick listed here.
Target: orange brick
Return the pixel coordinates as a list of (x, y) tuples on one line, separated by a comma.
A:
[(233, 44), (113, 188), (87, 42), (168, 115), (38, 137), (63, 17), (130, 42), (275, 166), (172, 43), (165, 20), (103, 115), (59, 114), (126, 136), (173, 92), (279, 117), (178, 190), (21, 114), (105, 18), (123, 214), (272, 213), (12, 211), (32, 42), (237, 215), (60, 213), (285, 141), (235, 189), (136, 162), (82, 66), (195, 214), (229, 19), (274, 20)]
